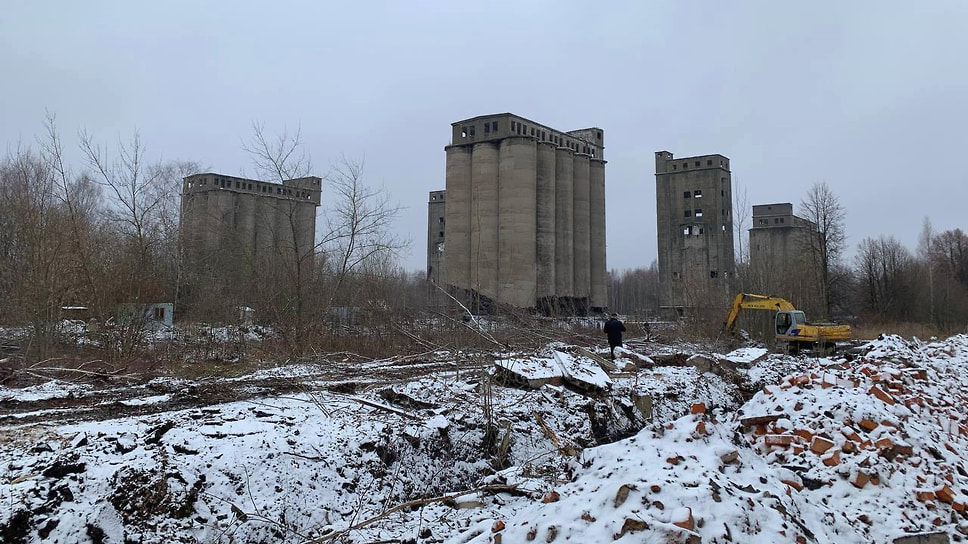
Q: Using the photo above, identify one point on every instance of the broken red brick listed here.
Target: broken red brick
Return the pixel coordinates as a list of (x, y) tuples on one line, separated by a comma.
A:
[(688, 524), (850, 447), (779, 439), (698, 408), (903, 449), (850, 434), (884, 443), (806, 435), (551, 496), (867, 425), (918, 374), (881, 395), (752, 421), (498, 526), (794, 484), (945, 494), (760, 430), (701, 428), (820, 444), (860, 479), (832, 459), (924, 495)]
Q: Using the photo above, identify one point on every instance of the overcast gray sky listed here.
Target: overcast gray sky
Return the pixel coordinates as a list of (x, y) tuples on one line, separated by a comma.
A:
[(867, 96)]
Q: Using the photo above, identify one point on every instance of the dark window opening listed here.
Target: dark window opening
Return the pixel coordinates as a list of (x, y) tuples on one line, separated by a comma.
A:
[(687, 213), (159, 314), (698, 163), (494, 126), (441, 234), (472, 130), (487, 128), (709, 162), (698, 212), (463, 132), (697, 193), (686, 194), (685, 165), (713, 274)]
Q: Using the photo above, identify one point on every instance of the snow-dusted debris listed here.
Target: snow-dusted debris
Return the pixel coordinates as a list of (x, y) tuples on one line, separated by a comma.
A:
[(868, 451), (582, 371), (746, 355), (823, 450)]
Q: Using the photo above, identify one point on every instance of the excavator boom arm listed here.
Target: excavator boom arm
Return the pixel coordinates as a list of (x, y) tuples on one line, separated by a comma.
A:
[(754, 302)]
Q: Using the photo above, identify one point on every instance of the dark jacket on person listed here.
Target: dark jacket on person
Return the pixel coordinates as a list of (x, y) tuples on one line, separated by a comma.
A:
[(614, 329)]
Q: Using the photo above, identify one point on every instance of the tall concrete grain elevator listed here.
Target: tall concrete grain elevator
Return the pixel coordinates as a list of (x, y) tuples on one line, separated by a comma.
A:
[(525, 215)]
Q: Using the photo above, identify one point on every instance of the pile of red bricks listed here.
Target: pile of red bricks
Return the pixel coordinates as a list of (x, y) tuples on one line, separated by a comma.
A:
[(875, 447)]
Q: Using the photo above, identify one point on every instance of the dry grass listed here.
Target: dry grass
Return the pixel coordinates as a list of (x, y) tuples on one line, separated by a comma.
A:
[(870, 331)]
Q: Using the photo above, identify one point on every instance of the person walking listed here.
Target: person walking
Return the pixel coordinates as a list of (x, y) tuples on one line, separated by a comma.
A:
[(614, 329)]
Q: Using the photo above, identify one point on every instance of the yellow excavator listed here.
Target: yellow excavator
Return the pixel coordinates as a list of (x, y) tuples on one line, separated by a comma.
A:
[(790, 325)]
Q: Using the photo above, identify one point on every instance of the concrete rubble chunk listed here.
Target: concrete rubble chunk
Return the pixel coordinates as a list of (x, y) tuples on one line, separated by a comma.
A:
[(923, 538)]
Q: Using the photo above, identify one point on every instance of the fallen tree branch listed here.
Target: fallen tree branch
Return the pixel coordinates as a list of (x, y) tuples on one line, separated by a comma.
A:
[(384, 407), (493, 488)]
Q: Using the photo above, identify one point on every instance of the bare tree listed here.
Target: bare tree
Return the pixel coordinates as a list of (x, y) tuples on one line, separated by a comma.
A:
[(358, 224), (742, 220), (357, 235), (822, 207), (280, 158), (883, 271)]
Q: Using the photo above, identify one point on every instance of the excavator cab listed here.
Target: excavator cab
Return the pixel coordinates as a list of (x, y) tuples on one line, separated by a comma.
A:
[(789, 322)]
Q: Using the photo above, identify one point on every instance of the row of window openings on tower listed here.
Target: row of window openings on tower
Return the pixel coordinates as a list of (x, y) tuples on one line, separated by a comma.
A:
[(709, 162), (698, 194), (227, 184), (776, 221), (712, 274), (698, 212), (696, 230), (521, 129)]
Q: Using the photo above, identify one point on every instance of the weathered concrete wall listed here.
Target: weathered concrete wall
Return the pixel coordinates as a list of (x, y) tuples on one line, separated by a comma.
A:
[(457, 220), (564, 222), (517, 230), (694, 229), (546, 208), (526, 206), (596, 203), (234, 224), (436, 222), (582, 226), (485, 160)]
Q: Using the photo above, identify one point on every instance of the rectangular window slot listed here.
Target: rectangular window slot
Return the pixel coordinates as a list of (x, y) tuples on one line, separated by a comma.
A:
[(697, 193), (698, 212), (686, 194), (687, 213)]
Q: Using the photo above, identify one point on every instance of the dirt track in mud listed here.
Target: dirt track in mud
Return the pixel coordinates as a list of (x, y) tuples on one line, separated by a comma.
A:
[(107, 400)]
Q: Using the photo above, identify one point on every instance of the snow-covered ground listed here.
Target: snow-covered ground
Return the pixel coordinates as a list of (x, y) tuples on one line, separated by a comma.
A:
[(786, 450)]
